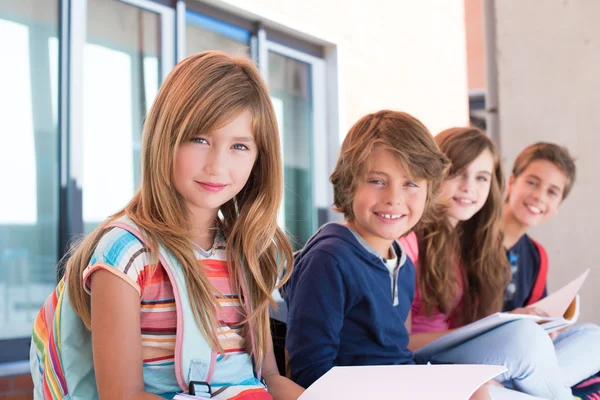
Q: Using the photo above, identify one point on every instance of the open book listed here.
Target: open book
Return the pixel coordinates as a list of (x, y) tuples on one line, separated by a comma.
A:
[(562, 308), (423, 382)]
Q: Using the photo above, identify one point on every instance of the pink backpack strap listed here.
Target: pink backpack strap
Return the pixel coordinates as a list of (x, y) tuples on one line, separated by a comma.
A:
[(204, 368), (542, 277)]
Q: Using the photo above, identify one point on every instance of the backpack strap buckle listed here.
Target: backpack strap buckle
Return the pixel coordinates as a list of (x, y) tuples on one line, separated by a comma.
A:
[(200, 389)]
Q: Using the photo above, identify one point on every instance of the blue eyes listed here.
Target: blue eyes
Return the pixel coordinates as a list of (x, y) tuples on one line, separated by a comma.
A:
[(240, 147), (237, 146), (482, 179)]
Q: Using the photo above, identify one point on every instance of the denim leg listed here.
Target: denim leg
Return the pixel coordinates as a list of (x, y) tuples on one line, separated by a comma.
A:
[(498, 393), (527, 352), (578, 352)]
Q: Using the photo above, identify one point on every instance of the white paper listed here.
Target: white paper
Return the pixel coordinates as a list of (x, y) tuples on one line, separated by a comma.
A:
[(557, 303), (423, 382)]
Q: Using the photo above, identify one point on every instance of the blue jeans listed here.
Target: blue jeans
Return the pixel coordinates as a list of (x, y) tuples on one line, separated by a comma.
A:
[(578, 352), (535, 364), (498, 393)]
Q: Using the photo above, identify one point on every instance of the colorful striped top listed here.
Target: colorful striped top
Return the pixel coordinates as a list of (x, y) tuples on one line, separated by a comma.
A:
[(122, 254)]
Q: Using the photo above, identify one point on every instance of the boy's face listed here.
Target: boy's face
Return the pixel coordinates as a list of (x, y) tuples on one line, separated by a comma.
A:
[(387, 203), (534, 196)]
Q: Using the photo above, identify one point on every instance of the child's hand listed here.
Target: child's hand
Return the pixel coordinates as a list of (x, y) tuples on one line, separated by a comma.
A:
[(554, 334), (538, 312)]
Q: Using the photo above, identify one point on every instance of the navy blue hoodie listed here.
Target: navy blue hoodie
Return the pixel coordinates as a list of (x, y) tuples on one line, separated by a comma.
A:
[(345, 307)]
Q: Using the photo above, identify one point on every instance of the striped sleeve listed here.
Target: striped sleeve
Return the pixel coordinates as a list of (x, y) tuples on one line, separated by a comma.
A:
[(122, 254)]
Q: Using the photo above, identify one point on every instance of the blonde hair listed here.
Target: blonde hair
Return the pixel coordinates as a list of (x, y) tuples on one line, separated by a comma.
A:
[(408, 139), (551, 152), (476, 243), (202, 93)]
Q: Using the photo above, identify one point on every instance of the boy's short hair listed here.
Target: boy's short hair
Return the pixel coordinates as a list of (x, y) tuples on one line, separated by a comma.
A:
[(403, 135), (551, 152)]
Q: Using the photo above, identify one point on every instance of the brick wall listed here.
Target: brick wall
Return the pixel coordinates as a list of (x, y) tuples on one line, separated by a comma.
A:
[(16, 387)]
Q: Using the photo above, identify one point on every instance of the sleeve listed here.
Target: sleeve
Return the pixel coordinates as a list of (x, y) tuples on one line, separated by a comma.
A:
[(411, 279), (122, 254), (410, 245), (317, 302)]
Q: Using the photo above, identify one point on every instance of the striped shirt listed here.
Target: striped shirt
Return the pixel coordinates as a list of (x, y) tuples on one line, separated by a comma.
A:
[(122, 254)]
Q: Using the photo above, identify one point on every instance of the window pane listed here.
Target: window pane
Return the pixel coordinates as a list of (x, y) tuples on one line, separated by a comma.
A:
[(289, 84), (121, 78), (204, 33), (28, 160)]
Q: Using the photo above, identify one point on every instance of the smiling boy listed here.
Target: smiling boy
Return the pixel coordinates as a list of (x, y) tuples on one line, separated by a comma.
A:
[(352, 286), (542, 177)]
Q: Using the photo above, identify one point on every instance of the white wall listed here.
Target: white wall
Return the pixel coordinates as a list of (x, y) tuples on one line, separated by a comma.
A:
[(548, 58), (404, 55)]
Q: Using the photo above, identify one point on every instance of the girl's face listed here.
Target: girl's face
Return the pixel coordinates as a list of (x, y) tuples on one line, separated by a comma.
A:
[(213, 167), (467, 191)]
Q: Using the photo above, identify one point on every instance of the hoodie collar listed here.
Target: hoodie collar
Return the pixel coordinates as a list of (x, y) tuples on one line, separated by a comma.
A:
[(400, 253)]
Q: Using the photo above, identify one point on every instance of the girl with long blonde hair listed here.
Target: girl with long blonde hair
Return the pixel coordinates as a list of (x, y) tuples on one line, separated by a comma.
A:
[(208, 200)]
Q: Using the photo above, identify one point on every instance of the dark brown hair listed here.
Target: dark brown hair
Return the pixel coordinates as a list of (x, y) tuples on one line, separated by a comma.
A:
[(551, 152), (477, 242)]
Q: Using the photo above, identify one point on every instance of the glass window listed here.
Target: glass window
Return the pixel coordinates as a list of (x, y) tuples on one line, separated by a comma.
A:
[(28, 160), (290, 88), (205, 33), (121, 76)]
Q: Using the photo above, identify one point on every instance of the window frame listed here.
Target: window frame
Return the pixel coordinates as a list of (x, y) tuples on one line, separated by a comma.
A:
[(318, 128), (268, 33), (13, 350)]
